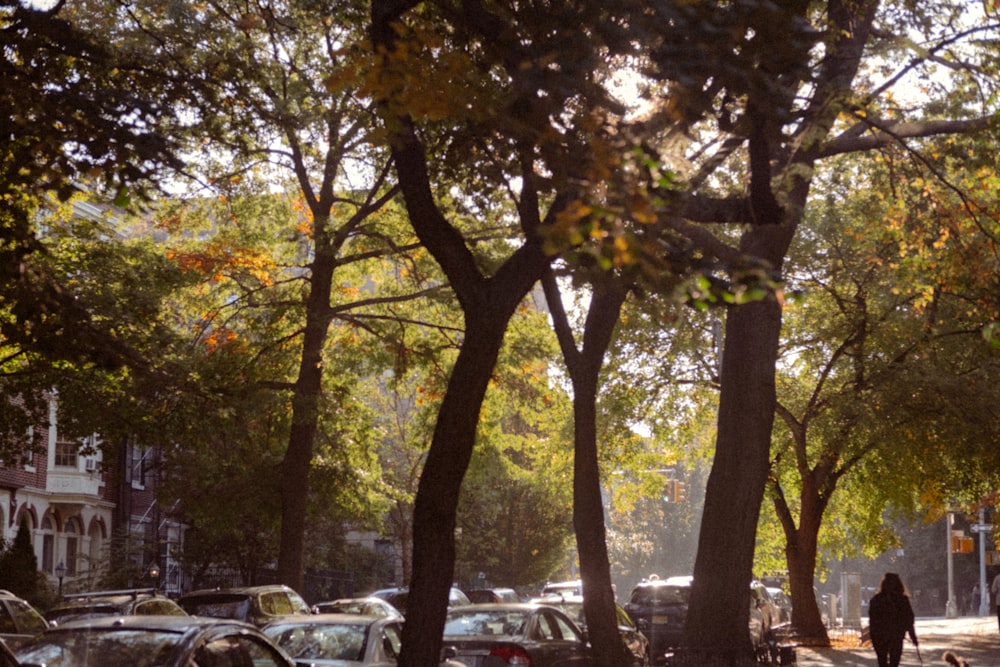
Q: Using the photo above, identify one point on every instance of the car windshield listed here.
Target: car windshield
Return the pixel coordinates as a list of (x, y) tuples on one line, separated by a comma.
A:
[(343, 608), (99, 648), (27, 618), (504, 622), (320, 641), (652, 595), (218, 606)]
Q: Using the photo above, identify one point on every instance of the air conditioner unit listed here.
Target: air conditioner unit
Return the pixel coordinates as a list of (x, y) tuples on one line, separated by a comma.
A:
[(90, 465)]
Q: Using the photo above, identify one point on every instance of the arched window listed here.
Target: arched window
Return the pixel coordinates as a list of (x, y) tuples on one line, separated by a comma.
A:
[(96, 535), (48, 545), (72, 546)]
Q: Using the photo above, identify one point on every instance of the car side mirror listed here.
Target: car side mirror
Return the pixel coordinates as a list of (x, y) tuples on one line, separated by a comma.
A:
[(448, 653), (389, 649)]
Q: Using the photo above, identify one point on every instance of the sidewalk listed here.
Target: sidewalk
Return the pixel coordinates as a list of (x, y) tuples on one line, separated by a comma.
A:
[(974, 638)]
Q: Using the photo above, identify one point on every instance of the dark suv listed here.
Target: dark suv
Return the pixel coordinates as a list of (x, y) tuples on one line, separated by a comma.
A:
[(659, 609), (128, 602), (19, 621), (258, 605)]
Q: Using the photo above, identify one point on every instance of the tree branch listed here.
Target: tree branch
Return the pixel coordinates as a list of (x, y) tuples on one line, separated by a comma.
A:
[(852, 141)]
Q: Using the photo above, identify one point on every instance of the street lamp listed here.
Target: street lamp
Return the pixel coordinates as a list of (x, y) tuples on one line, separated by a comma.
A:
[(60, 573), (154, 574)]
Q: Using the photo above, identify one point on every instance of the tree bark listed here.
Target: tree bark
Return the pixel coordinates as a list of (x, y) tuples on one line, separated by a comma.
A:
[(584, 367), (800, 554), (717, 618), (305, 414)]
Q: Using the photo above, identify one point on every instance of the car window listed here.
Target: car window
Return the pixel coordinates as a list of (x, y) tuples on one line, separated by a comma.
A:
[(491, 622), (6, 620), (276, 604), (562, 629), (320, 641), (544, 628), (223, 652), (392, 640), (136, 648), (227, 606), (157, 608), (648, 595), (259, 653), (299, 605), (26, 618)]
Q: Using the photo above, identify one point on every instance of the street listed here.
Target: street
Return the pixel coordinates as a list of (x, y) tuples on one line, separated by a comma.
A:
[(976, 639)]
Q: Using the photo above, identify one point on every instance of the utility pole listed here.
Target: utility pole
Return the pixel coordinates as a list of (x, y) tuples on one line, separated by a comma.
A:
[(984, 594), (949, 609)]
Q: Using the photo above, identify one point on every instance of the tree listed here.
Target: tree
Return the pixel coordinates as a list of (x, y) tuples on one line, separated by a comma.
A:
[(515, 508), (110, 143), (789, 110), (868, 362), (525, 127), (18, 565), (274, 90)]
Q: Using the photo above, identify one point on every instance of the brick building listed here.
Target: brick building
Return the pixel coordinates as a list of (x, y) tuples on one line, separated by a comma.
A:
[(81, 508)]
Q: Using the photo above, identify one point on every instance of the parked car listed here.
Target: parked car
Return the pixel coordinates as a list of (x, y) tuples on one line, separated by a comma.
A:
[(369, 606), (635, 642), (763, 601), (486, 595), (323, 639), (659, 608), (336, 639), (128, 602), (257, 605), (573, 587), (148, 641), (19, 621), (784, 603), (514, 634), (397, 597)]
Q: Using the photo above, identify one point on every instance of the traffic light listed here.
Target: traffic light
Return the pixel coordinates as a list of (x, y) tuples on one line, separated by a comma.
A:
[(680, 491)]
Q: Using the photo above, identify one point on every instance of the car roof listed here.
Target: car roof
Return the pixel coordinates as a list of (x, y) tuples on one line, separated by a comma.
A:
[(498, 606), (179, 624), (240, 590), (332, 619)]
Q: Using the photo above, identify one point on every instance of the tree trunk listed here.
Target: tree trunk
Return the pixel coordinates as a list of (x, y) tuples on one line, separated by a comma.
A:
[(436, 505), (718, 617), (588, 505), (305, 415), (800, 555)]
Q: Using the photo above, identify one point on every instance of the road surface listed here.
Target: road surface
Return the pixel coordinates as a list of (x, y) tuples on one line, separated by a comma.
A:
[(976, 639)]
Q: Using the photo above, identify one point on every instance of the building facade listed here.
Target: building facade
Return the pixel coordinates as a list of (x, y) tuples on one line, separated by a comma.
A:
[(80, 508)]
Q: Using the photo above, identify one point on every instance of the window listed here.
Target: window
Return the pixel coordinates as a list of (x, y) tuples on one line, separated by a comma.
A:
[(7, 621), (26, 618), (72, 548), (29, 449), (67, 454), (48, 546)]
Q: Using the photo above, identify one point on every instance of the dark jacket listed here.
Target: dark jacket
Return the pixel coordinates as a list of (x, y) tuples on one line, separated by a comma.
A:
[(890, 618)]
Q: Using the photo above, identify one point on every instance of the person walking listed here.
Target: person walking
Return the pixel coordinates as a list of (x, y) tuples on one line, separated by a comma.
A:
[(890, 618), (995, 590)]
